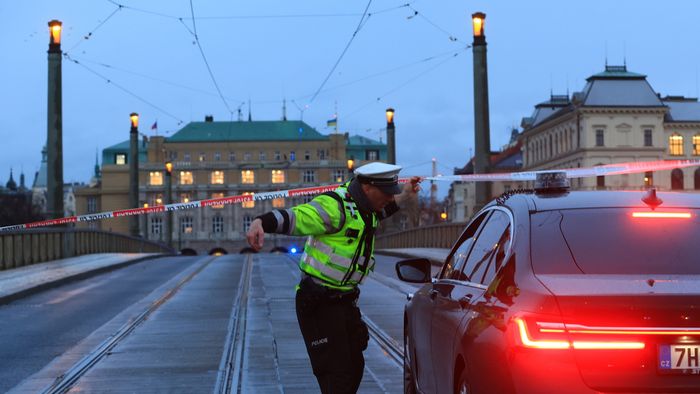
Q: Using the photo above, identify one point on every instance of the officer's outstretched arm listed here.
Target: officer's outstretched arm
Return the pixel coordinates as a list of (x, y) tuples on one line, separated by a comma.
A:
[(323, 215)]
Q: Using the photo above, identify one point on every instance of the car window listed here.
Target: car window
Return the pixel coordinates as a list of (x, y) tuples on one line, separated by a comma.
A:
[(455, 261), (486, 246), (497, 259)]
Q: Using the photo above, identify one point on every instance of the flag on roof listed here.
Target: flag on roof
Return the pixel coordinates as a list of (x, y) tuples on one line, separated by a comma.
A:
[(155, 125)]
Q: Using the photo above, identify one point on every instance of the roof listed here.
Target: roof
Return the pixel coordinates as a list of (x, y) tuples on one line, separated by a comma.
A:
[(509, 159), (283, 130), (682, 110), (616, 87), (357, 140), (611, 199)]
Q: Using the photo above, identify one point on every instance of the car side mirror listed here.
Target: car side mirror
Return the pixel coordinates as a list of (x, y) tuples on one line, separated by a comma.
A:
[(414, 270)]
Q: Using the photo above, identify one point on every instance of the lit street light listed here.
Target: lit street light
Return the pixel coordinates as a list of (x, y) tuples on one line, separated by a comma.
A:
[(390, 136), (482, 143), (54, 125), (134, 172), (169, 200)]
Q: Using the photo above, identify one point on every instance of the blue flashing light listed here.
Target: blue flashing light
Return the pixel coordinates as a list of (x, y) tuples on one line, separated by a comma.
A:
[(293, 250)]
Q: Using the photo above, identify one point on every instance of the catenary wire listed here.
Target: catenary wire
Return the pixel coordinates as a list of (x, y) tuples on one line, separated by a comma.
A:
[(89, 35)]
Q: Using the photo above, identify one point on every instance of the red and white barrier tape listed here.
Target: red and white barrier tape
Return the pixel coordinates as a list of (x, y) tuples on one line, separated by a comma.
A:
[(608, 169)]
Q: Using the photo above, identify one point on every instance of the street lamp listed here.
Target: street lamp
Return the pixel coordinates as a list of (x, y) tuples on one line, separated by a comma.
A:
[(390, 136), (134, 171), (54, 124), (351, 166), (169, 200), (482, 132), (145, 222)]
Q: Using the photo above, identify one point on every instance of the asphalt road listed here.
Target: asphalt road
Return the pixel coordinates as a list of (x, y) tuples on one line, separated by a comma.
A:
[(36, 329)]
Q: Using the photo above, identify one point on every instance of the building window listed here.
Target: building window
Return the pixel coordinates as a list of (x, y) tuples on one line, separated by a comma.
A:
[(217, 224), (186, 178), (156, 226), (600, 182), (91, 204), (278, 203), (647, 137), (185, 197), (309, 176), (648, 179), (248, 204), (278, 155), (217, 177), (307, 155), (292, 156), (600, 137), (277, 176), (120, 159), (247, 176), (403, 222), (186, 157), (173, 155), (262, 156), (322, 154), (338, 176), (202, 156), (675, 145), (232, 156), (217, 195), (186, 226), (217, 156), (247, 220), (155, 199), (246, 156), (372, 155), (155, 178), (696, 145), (677, 179)]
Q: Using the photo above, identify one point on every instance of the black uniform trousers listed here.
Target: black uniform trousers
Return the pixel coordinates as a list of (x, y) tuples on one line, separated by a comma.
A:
[(334, 334)]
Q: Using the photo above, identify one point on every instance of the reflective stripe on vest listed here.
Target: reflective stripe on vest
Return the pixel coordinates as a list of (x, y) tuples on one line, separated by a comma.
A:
[(328, 271)]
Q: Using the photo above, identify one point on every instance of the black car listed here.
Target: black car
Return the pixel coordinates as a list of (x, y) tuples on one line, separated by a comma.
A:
[(562, 292)]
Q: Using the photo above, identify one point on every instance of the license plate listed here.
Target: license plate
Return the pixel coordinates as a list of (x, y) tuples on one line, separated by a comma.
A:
[(679, 358)]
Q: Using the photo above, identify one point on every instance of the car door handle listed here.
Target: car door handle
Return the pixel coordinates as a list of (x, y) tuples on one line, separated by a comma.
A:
[(465, 301), (433, 293)]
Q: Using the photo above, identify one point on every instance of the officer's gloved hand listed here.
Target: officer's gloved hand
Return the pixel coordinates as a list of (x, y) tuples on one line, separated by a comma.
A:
[(410, 189), (255, 235)]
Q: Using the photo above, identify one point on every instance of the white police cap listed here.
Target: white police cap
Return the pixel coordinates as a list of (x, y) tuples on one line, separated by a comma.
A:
[(383, 176)]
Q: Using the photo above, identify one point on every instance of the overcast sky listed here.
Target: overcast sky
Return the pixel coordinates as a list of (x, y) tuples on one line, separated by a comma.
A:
[(411, 57)]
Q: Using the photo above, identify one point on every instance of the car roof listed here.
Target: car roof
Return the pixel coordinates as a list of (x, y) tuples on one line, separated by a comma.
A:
[(608, 199)]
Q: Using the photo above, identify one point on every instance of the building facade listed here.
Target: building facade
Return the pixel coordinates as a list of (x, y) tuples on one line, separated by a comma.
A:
[(218, 159)]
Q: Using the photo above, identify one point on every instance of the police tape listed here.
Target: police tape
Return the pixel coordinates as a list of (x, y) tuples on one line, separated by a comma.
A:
[(601, 170), (221, 201)]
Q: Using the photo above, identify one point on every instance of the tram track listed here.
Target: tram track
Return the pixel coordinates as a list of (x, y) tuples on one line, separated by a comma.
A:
[(71, 376)]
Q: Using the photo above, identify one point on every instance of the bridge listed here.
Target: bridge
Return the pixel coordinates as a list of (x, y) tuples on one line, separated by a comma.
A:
[(85, 310)]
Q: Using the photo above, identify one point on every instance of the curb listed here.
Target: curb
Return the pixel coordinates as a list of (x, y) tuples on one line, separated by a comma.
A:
[(83, 275), (385, 252)]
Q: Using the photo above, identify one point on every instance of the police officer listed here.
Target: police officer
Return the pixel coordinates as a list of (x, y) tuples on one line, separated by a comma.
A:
[(337, 256)]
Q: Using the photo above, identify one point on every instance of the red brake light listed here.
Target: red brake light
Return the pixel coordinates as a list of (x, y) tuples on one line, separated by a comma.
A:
[(557, 336), (667, 215)]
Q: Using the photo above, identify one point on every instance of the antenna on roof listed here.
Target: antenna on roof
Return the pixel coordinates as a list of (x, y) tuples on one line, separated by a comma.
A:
[(250, 116), (606, 54), (284, 109), (624, 54)]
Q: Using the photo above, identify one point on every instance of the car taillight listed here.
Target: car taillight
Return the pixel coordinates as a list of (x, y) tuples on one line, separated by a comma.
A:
[(548, 335), (662, 215)]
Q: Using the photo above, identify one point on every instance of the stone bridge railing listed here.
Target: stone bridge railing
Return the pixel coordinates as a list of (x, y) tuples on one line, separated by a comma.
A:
[(27, 247), (435, 236)]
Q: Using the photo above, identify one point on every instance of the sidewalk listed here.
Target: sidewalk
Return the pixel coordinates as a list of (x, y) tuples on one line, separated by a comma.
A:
[(436, 255), (19, 282)]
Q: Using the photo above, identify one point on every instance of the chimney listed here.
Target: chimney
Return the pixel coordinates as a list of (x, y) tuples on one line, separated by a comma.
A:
[(209, 118)]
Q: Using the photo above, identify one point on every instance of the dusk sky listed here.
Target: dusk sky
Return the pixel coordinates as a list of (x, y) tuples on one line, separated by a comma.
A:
[(409, 56)]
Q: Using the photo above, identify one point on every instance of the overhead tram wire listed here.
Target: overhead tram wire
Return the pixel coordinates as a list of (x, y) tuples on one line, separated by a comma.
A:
[(125, 90), (206, 62), (87, 36), (451, 36), (354, 34)]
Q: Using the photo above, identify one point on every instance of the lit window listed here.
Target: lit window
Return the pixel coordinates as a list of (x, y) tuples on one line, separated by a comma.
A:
[(156, 226), (675, 144), (248, 204), (648, 178), (309, 176), (91, 204), (217, 156), (217, 195), (278, 203), (232, 156), (120, 159), (185, 197), (217, 177), (338, 176), (217, 224), (247, 176), (155, 199), (247, 220), (599, 137), (246, 156), (277, 176), (202, 157), (155, 178), (262, 156), (186, 226), (186, 178), (696, 145)]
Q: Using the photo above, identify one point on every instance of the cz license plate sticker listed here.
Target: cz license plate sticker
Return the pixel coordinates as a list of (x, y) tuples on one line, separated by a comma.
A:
[(679, 358)]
